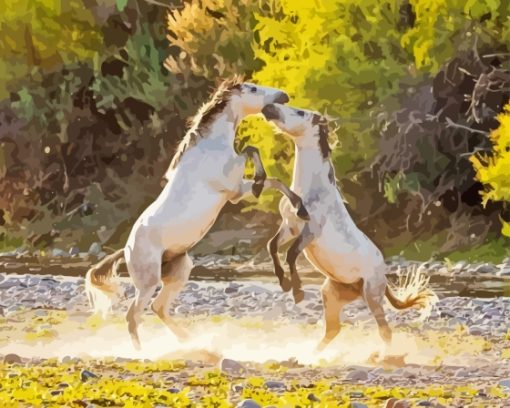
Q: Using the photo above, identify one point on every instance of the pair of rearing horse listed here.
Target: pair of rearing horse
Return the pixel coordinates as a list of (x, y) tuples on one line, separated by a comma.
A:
[(204, 174)]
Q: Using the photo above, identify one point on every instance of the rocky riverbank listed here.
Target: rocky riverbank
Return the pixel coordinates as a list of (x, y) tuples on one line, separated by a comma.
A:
[(260, 341)]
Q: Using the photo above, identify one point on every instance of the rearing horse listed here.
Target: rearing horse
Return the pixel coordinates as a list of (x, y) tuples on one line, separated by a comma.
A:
[(204, 174)]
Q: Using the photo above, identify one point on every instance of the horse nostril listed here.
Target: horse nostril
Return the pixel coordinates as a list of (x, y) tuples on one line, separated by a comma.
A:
[(270, 112), (281, 97)]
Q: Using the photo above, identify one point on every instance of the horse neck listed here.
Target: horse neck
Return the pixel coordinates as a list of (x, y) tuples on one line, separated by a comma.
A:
[(310, 167), (223, 128)]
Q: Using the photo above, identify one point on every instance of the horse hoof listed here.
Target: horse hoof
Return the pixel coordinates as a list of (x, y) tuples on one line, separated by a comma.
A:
[(320, 347), (257, 187), (137, 345), (299, 295), (286, 285), (302, 213)]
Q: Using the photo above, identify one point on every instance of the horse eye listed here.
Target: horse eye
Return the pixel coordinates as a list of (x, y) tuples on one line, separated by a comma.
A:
[(301, 113), (253, 89)]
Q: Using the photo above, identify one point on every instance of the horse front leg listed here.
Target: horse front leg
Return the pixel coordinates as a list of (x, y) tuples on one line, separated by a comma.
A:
[(251, 152), (282, 237), (302, 241), (246, 187)]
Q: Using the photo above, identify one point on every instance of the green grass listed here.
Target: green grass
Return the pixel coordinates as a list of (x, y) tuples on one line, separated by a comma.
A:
[(493, 251), (52, 384)]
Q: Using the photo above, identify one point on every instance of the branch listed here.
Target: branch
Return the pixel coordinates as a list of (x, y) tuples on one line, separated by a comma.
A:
[(477, 149), (450, 123), (157, 3), (500, 54)]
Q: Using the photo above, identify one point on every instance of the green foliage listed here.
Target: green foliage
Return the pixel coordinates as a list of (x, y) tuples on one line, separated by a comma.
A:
[(213, 38), (494, 250), (44, 34), (444, 28), (91, 112), (393, 186), (494, 171)]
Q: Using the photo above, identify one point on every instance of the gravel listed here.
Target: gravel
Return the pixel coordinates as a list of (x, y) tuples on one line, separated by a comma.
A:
[(252, 298)]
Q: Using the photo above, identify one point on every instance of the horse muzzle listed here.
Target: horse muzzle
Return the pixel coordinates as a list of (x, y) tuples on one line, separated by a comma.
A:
[(271, 112), (281, 97)]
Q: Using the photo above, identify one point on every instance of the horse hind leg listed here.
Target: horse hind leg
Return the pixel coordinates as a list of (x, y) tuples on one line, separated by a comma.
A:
[(335, 296), (373, 294), (175, 274), (145, 277)]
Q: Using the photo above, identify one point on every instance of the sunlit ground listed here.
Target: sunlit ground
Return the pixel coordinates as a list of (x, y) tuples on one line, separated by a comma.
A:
[(266, 349)]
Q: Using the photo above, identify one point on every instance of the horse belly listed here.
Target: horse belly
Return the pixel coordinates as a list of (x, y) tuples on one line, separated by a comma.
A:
[(344, 258), (183, 220), (339, 266)]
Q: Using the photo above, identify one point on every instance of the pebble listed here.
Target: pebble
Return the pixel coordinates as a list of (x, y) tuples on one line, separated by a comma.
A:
[(476, 330), (312, 397), (357, 375), (231, 366), (74, 251), (12, 359), (462, 372), (481, 316), (86, 375), (95, 249), (248, 403), (505, 384), (275, 384), (58, 253)]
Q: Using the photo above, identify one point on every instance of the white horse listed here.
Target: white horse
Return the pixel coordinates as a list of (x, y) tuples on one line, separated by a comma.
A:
[(204, 174), (331, 241)]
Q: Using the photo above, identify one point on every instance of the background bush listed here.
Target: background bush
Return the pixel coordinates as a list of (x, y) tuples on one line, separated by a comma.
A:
[(95, 95)]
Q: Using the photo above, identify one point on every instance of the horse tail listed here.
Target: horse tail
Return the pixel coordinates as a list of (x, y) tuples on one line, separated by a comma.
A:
[(412, 290), (101, 282)]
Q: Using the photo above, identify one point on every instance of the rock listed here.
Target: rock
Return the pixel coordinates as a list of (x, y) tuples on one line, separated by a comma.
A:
[(505, 383), (95, 249), (232, 366), (356, 394), (74, 251), (173, 390), (12, 359), (357, 375), (275, 384), (358, 405), (248, 403), (424, 403), (86, 375)]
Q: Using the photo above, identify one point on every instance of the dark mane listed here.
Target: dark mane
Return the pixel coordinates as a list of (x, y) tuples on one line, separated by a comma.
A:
[(323, 135), (206, 113)]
